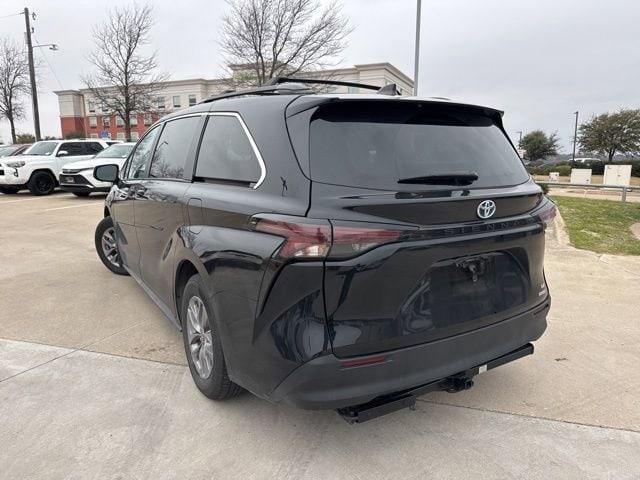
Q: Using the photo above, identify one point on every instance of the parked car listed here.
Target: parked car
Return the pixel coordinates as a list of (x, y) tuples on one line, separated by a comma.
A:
[(13, 150), (333, 251), (77, 177), (39, 166)]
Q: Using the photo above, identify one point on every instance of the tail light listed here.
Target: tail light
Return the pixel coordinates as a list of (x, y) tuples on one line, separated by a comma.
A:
[(546, 213), (318, 239), (349, 241)]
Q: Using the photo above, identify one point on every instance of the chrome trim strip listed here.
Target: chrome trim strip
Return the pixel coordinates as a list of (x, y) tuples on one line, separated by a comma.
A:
[(263, 168)]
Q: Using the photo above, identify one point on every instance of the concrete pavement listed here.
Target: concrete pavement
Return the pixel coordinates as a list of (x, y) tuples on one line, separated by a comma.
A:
[(87, 415), (80, 398)]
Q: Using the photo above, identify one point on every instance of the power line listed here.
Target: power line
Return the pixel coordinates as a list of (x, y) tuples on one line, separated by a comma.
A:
[(11, 15), (46, 59)]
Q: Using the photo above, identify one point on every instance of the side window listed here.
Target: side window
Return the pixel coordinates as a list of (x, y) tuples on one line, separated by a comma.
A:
[(139, 160), (226, 152), (171, 153), (73, 149), (91, 148)]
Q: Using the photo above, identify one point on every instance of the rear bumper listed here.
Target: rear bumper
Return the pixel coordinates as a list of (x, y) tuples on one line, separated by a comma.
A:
[(325, 383)]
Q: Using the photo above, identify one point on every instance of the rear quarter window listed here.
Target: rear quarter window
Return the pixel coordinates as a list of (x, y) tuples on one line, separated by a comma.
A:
[(374, 144), (226, 152)]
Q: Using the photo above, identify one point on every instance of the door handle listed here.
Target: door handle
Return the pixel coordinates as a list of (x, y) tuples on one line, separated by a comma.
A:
[(140, 191)]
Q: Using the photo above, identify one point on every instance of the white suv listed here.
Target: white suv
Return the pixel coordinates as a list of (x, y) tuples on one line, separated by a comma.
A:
[(38, 168), (77, 177)]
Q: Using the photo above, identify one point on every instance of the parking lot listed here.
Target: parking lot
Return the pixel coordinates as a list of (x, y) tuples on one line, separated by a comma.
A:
[(93, 382)]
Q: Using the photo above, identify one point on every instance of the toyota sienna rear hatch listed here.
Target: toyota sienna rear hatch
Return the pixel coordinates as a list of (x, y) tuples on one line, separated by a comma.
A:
[(416, 255)]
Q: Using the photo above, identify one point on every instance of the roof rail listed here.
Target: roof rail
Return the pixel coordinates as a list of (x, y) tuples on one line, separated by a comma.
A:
[(264, 90), (389, 89)]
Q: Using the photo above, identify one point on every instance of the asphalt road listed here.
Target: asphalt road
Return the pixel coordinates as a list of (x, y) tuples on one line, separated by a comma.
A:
[(93, 382)]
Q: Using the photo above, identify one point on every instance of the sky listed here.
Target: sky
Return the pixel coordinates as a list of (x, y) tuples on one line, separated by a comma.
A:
[(538, 60)]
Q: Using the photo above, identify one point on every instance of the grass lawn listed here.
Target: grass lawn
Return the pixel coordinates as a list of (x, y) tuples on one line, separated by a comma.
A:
[(600, 225)]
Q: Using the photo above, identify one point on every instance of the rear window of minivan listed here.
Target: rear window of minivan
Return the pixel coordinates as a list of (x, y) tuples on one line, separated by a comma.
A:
[(374, 144)]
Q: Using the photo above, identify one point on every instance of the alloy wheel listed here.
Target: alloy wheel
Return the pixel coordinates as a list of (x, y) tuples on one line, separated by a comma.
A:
[(199, 337), (109, 247)]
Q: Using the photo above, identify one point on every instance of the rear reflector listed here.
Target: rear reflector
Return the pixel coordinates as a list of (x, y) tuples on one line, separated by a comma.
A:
[(361, 362)]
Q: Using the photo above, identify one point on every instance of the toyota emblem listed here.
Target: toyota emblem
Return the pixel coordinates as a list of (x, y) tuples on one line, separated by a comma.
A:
[(486, 209)]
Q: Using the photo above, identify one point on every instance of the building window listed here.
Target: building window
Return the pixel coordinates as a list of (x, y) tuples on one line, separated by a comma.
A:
[(176, 101), (120, 136), (92, 106), (133, 120), (147, 120), (106, 121), (103, 107), (160, 103), (192, 100), (93, 135), (134, 136), (93, 122), (119, 121)]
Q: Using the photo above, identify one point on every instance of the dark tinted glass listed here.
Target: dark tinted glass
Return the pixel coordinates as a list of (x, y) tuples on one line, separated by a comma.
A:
[(140, 158), (226, 153), (72, 148), (93, 147), (374, 144), (171, 153)]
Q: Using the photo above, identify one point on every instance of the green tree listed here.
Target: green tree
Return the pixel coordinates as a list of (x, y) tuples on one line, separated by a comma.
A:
[(25, 138), (539, 145), (611, 133)]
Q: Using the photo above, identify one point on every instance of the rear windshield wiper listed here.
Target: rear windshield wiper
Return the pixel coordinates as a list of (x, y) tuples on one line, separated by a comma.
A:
[(444, 178)]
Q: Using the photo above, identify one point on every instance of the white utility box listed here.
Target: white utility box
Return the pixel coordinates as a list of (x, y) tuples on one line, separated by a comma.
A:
[(580, 175), (617, 175), (554, 177)]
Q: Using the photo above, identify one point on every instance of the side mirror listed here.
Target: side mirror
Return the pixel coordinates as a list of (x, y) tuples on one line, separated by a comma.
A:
[(62, 153), (106, 173)]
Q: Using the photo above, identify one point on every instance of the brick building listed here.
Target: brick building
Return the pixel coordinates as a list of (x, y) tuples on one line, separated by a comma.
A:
[(80, 114)]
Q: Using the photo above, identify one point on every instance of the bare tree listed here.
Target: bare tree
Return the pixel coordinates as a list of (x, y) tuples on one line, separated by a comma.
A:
[(14, 82), (283, 37), (125, 80)]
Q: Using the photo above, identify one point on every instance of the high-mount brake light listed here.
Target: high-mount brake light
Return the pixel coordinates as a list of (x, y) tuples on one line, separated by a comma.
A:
[(318, 239)]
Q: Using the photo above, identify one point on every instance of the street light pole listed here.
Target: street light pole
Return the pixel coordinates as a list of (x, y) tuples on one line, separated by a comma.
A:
[(575, 137), (519, 132), (416, 65), (32, 77)]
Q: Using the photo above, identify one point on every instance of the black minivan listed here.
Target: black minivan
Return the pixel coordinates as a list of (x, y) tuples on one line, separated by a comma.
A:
[(333, 251)]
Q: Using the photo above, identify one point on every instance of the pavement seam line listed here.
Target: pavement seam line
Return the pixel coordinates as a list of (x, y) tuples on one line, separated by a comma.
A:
[(524, 415), (73, 350)]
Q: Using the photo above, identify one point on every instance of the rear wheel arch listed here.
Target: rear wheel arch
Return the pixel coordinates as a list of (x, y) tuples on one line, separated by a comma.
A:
[(186, 269)]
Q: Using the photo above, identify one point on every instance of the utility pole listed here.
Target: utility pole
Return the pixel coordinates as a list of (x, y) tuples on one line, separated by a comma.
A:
[(575, 137), (416, 65), (32, 75), (519, 132)]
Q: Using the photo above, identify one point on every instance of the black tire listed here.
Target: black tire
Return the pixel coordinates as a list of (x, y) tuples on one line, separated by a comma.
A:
[(115, 263), (9, 190), (41, 183), (81, 194), (216, 385)]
